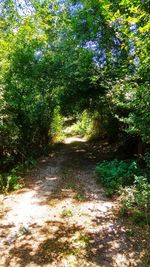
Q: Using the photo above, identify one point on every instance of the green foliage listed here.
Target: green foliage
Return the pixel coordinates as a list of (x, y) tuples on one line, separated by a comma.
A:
[(87, 125), (136, 200), (57, 125), (116, 174), (139, 118), (28, 164), (146, 158), (25, 91), (131, 183), (66, 213), (83, 126), (80, 196), (79, 55), (130, 103), (10, 181)]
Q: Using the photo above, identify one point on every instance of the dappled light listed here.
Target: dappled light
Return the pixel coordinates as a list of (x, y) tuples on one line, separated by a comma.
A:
[(74, 133), (70, 140), (63, 218)]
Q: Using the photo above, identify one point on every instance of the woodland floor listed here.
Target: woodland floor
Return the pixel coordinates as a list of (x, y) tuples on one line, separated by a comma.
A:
[(61, 217)]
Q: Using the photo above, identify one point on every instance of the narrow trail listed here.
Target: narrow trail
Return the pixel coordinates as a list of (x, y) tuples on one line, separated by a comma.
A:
[(62, 218)]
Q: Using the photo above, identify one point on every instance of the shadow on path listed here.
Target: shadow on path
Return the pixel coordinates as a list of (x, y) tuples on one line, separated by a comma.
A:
[(62, 217)]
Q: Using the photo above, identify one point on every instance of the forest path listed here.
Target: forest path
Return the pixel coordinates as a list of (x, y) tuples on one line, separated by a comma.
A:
[(62, 218)]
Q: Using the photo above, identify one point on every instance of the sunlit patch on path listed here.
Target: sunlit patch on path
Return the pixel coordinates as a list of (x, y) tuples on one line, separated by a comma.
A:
[(62, 218), (70, 140)]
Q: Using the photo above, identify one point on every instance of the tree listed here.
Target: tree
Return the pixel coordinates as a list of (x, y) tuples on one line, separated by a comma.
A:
[(78, 55)]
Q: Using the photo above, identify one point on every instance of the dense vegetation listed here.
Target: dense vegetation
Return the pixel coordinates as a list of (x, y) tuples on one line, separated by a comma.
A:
[(88, 60)]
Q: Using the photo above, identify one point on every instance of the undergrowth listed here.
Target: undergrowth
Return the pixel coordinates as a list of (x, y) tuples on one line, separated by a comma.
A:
[(116, 173), (131, 183), (135, 201), (87, 125), (56, 130), (12, 180), (9, 182), (81, 127)]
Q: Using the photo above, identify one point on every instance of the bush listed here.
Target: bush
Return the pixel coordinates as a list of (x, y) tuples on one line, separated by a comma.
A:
[(136, 200), (115, 174), (57, 125), (9, 182), (87, 125), (131, 183), (146, 159), (83, 125)]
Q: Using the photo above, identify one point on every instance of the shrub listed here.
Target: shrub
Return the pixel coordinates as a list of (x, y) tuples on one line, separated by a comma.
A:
[(136, 200), (146, 159), (57, 125), (132, 184), (83, 125), (115, 174), (10, 181)]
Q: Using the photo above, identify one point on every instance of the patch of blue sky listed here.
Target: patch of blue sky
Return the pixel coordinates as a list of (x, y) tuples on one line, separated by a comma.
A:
[(92, 45), (133, 27), (38, 54), (136, 61), (116, 41), (74, 9), (24, 7), (115, 53), (100, 58)]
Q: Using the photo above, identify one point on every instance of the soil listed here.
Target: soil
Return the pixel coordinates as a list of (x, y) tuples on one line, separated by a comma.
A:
[(62, 217)]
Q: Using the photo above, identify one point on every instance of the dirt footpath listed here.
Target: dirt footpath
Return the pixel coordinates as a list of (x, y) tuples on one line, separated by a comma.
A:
[(62, 218)]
